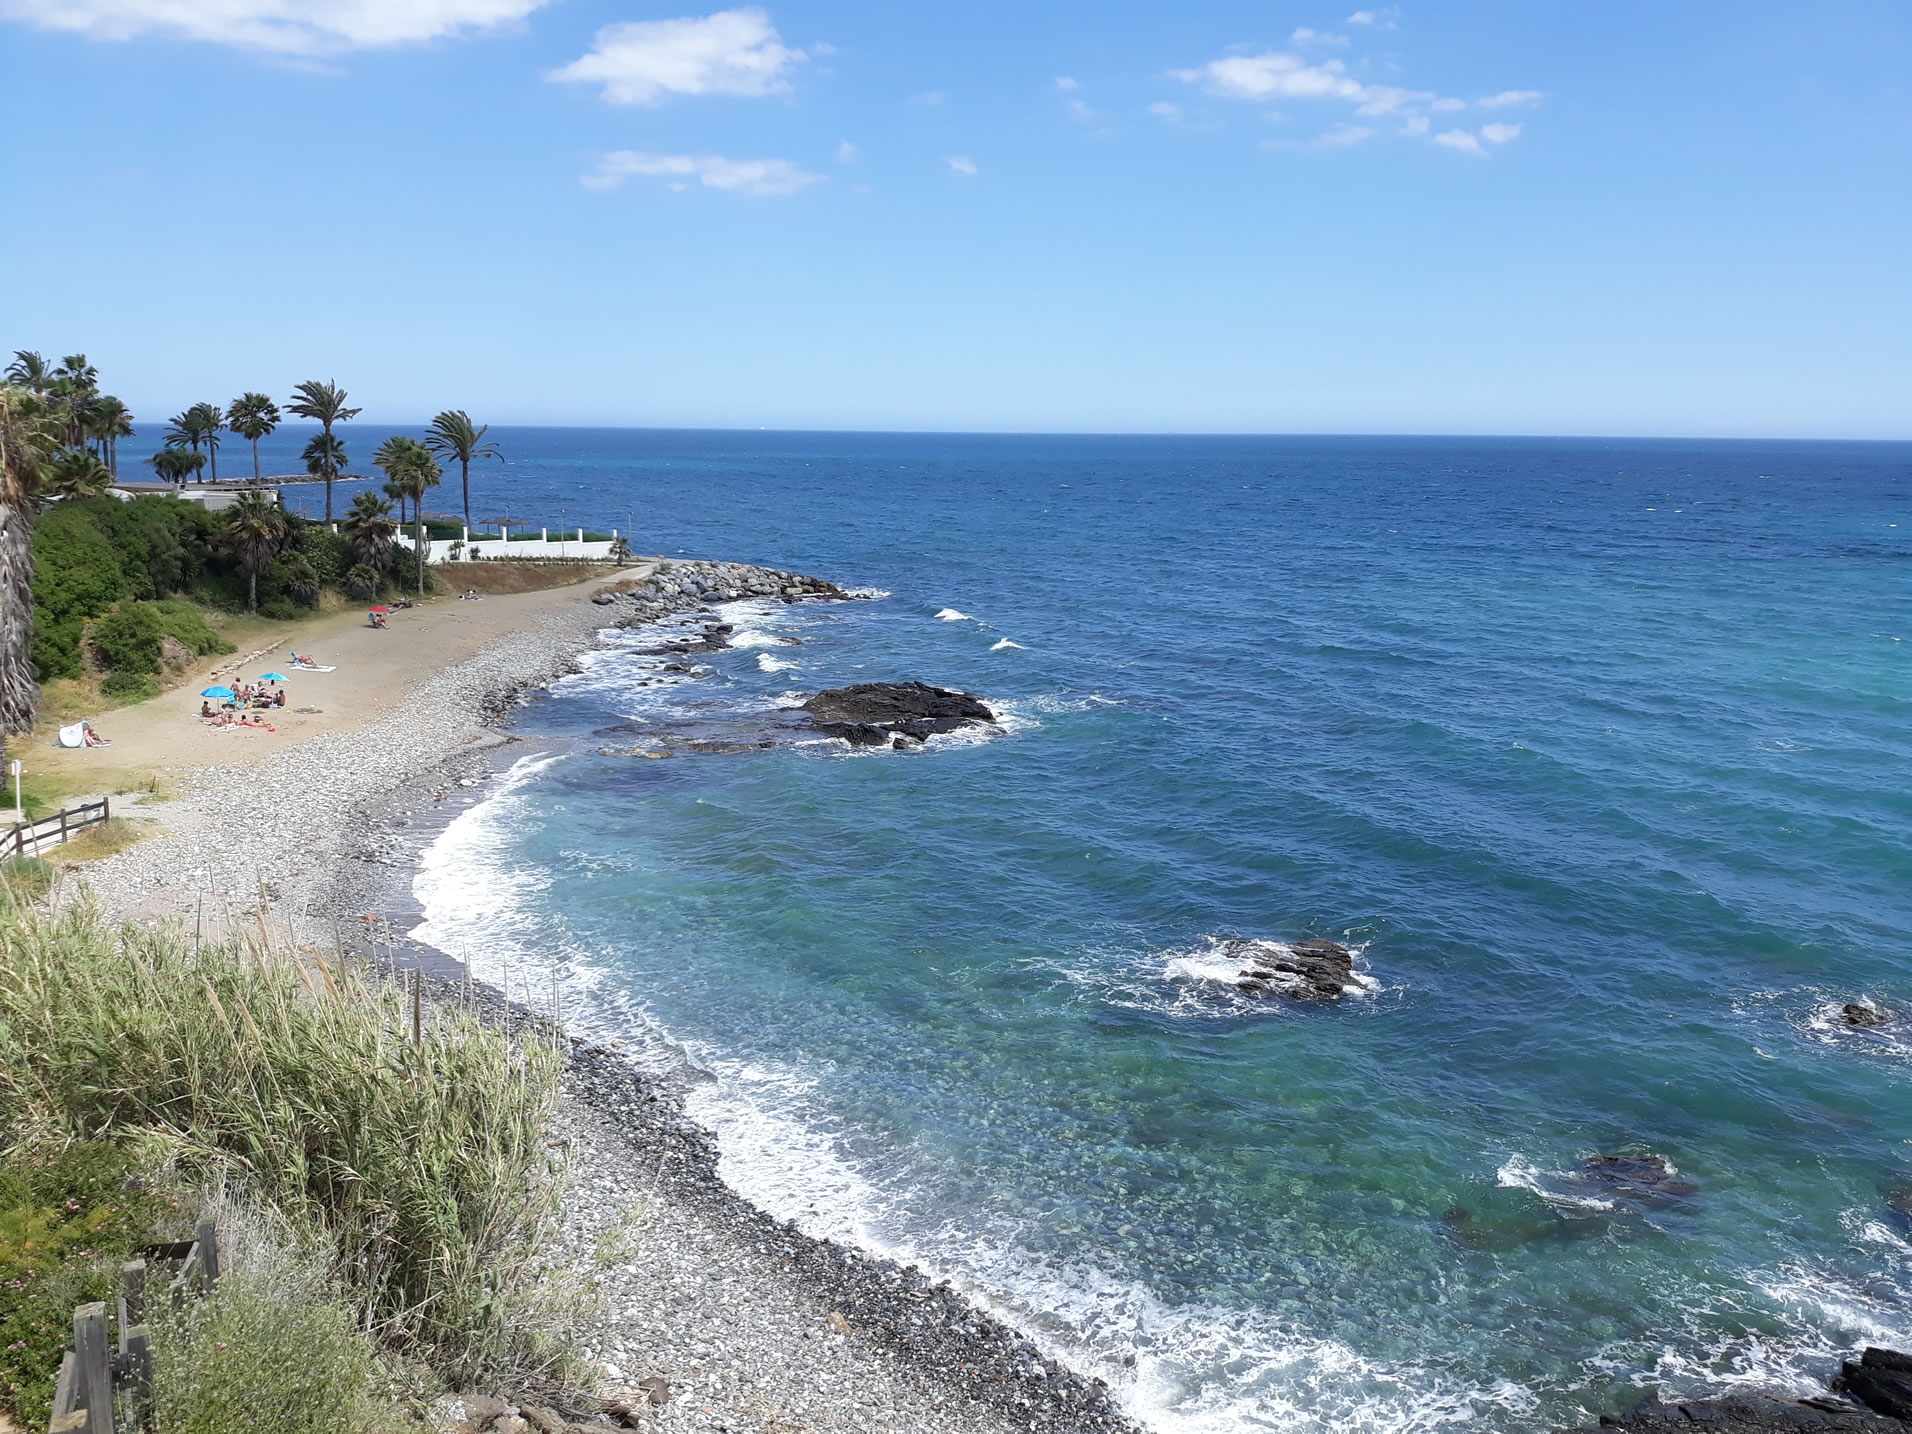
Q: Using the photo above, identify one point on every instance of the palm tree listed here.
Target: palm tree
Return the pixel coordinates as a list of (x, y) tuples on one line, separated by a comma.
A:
[(77, 383), (26, 442), (199, 424), (112, 421), (176, 465), (368, 527), (396, 456), (253, 416), (211, 419), (324, 403), (255, 531), (453, 435), (29, 371), (324, 458), (76, 473)]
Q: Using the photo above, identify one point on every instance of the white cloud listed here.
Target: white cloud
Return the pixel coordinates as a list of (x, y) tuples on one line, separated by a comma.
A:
[(1499, 133), (1509, 97), (1383, 18), (1166, 109), (294, 27), (929, 97), (1067, 84), (1272, 75), (1417, 125), (641, 62), (1460, 139), (1341, 136), (846, 153), (962, 164), (1305, 36), (1447, 106), (1361, 17), (756, 177)]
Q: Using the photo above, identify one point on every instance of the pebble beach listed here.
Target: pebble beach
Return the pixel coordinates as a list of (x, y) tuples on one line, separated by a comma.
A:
[(716, 1317)]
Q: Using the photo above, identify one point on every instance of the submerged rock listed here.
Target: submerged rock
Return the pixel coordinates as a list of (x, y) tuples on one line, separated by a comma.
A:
[(1638, 1174), (1854, 1014), (1311, 970), (872, 714)]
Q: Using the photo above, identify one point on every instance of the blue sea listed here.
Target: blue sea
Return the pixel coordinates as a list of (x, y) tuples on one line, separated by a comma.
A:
[(1599, 753)]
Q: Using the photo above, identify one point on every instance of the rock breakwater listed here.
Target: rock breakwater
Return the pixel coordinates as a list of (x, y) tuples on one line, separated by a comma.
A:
[(674, 587)]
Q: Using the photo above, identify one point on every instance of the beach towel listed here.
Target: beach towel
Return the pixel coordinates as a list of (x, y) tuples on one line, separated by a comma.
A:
[(306, 667), (74, 736)]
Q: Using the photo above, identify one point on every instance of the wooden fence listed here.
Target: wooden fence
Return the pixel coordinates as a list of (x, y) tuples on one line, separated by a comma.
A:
[(27, 838), (93, 1372)]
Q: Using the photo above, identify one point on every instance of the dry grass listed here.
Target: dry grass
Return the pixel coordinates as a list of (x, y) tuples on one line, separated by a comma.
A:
[(497, 578), (419, 1164), (110, 836)]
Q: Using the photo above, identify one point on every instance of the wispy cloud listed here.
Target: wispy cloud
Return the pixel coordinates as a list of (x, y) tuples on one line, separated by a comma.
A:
[(929, 97), (1276, 75), (1166, 109), (1305, 36), (759, 178), (1386, 18), (1499, 133), (1068, 84), (287, 27), (846, 153), (963, 165), (1509, 97), (643, 62)]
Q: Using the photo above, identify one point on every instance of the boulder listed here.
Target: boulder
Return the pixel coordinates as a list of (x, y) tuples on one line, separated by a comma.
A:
[(1854, 1014), (1881, 1379), (1310, 970), (870, 714), (1638, 1174)]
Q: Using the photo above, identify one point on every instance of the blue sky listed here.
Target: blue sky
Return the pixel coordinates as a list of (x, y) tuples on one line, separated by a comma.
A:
[(1513, 217)]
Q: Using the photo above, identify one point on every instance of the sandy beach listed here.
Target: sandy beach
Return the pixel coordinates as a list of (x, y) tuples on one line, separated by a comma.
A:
[(750, 1324)]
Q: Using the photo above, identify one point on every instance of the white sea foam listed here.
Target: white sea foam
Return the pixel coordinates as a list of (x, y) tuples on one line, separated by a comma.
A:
[(767, 663), (998, 647), (949, 614), (1520, 1173)]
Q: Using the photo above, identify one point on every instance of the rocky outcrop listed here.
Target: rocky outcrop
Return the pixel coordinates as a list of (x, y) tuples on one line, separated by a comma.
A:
[(1878, 1386), (878, 714), (675, 587), (1638, 1175), (1752, 1414), (1854, 1014), (1311, 970)]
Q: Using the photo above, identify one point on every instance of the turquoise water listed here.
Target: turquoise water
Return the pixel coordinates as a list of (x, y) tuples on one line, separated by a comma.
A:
[(1598, 752)]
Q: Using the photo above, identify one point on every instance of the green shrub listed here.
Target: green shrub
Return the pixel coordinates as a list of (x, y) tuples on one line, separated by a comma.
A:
[(67, 1221), (273, 1347), (127, 640), (129, 687), (422, 1167), (186, 623), (362, 582)]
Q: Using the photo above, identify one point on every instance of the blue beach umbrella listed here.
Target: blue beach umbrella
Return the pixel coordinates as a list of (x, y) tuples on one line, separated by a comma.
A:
[(272, 677), (217, 692)]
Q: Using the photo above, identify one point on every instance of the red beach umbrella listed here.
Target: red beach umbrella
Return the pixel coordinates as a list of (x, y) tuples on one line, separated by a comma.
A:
[(380, 609)]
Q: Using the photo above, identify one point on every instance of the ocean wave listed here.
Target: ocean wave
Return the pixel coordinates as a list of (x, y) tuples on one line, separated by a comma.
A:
[(949, 614), (1187, 1365), (1005, 643), (767, 663), (1196, 982)]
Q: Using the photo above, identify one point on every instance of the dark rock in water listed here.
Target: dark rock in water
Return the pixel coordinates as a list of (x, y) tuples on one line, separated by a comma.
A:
[(1639, 1174), (1899, 1200), (1456, 1215), (1881, 1379), (871, 713), (1308, 971), (727, 747), (1854, 1014), (1752, 1414)]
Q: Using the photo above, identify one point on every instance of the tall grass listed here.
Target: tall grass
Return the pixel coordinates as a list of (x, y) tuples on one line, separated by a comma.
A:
[(421, 1165)]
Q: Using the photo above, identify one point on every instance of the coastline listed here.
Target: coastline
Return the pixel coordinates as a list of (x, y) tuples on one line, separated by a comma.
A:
[(747, 1320)]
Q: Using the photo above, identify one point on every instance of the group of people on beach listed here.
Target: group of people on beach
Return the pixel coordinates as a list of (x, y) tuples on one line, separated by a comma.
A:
[(247, 698)]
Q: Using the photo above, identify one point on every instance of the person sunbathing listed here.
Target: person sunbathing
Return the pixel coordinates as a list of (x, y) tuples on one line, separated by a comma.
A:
[(93, 738), (205, 709), (278, 698)]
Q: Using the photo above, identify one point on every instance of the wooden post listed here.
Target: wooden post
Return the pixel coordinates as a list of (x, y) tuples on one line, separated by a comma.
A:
[(64, 1390), (62, 826), (208, 1240), (95, 1375), (132, 1297)]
